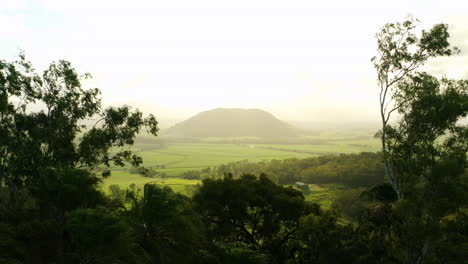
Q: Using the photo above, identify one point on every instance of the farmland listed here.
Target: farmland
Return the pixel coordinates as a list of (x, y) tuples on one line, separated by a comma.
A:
[(322, 194), (179, 157), (173, 159), (124, 179)]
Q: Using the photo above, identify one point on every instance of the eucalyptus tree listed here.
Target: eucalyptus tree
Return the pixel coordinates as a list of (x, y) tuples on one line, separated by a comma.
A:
[(424, 150), (401, 52), (56, 141), (46, 121)]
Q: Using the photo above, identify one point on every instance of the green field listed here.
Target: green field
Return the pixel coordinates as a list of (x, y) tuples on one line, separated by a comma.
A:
[(345, 146), (321, 194), (180, 157), (124, 179), (174, 159)]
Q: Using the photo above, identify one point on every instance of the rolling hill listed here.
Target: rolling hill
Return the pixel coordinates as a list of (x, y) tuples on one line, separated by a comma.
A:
[(233, 122)]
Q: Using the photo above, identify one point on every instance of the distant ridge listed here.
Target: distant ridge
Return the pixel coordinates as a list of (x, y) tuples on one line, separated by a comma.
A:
[(233, 122)]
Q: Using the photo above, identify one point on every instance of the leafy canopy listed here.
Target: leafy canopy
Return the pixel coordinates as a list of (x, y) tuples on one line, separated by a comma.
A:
[(49, 120)]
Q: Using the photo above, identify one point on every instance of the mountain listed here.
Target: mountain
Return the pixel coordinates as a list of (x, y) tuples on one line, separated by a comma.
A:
[(233, 122)]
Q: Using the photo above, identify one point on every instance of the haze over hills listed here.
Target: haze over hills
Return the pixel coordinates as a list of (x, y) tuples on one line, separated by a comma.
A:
[(233, 122)]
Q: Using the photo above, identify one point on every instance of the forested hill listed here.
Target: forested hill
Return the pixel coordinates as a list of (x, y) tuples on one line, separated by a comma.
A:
[(233, 122)]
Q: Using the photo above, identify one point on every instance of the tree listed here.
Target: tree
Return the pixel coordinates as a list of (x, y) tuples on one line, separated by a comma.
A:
[(424, 152), (165, 225), (322, 240), (427, 149), (51, 157), (59, 134), (99, 236), (233, 253), (401, 53), (254, 211)]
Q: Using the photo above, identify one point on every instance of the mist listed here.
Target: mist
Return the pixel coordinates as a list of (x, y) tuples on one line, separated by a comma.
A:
[(302, 61)]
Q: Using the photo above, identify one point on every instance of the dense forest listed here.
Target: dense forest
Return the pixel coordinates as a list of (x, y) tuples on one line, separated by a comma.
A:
[(414, 191)]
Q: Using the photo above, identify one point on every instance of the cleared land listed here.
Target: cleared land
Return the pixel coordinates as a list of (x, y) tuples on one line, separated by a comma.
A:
[(174, 159), (345, 146), (321, 194), (177, 158), (124, 179)]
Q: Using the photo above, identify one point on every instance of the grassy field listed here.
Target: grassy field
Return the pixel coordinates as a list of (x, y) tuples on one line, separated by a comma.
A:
[(174, 159), (321, 194), (124, 179), (351, 146), (180, 157)]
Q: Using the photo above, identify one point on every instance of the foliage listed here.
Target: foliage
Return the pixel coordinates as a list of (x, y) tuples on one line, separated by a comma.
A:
[(354, 170), (401, 53), (165, 225), (51, 160), (232, 253), (322, 240), (116, 193), (350, 202), (55, 135), (97, 236), (12, 250), (425, 151), (191, 175), (146, 172), (51, 163), (381, 192), (452, 245), (265, 217)]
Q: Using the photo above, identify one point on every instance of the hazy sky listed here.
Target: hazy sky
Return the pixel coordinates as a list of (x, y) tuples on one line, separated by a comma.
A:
[(302, 60)]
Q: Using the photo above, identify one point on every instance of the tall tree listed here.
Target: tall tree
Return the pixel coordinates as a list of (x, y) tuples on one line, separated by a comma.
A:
[(425, 150), (55, 142), (401, 52), (59, 134)]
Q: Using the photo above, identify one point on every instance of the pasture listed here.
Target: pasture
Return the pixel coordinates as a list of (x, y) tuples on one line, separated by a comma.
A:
[(124, 179), (176, 158), (173, 159), (321, 194)]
